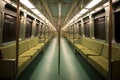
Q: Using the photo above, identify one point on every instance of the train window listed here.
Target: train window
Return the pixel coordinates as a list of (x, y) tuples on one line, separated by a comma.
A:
[(99, 29), (29, 22), (87, 29), (9, 28), (117, 27), (28, 32), (79, 26), (41, 29), (37, 27), (36, 30), (99, 25), (75, 28)]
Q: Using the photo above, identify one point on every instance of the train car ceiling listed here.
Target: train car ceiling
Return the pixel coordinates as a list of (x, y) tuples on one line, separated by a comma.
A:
[(48, 11), (69, 8)]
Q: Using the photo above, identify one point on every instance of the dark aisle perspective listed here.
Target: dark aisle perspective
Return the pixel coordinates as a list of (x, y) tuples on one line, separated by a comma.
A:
[(59, 40), (44, 67)]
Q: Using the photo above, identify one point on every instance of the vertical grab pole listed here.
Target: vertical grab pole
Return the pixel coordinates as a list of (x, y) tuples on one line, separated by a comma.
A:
[(110, 40), (17, 36), (59, 51), (59, 22)]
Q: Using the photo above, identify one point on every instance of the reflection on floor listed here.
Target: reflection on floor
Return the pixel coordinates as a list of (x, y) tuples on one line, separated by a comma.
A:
[(73, 67)]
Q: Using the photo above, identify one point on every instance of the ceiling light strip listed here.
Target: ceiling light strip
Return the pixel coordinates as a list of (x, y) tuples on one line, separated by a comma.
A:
[(83, 11), (28, 4)]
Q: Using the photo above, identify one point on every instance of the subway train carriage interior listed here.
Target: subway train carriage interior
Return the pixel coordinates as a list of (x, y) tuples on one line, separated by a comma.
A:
[(59, 39)]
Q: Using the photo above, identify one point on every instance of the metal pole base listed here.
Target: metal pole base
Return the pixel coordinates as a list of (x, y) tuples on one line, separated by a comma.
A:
[(59, 75)]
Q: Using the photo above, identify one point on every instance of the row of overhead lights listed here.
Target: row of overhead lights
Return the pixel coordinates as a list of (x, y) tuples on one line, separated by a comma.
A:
[(83, 11), (28, 4), (89, 6)]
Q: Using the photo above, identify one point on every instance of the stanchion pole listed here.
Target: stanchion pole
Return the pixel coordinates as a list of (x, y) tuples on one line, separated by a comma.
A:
[(58, 50), (110, 40), (59, 28), (17, 36)]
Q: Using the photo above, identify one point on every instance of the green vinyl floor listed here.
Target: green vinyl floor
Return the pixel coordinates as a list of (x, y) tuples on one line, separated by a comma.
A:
[(72, 67)]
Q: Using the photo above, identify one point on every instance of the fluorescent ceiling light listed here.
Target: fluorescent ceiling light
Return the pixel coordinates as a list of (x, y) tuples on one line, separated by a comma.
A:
[(47, 21), (30, 6), (77, 16), (93, 3), (40, 15), (71, 20), (115, 0), (97, 9), (36, 11), (83, 11), (106, 4), (27, 3), (92, 12)]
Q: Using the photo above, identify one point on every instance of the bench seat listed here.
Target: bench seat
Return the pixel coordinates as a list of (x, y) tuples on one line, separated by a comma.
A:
[(79, 46), (23, 63), (96, 53), (28, 50), (88, 47), (30, 53), (101, 62)]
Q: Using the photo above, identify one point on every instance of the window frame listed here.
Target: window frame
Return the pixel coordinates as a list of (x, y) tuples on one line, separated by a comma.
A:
[(29, 23), (86, 28), (12, 34), (99, 36), (80, 28), (98, 15)]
